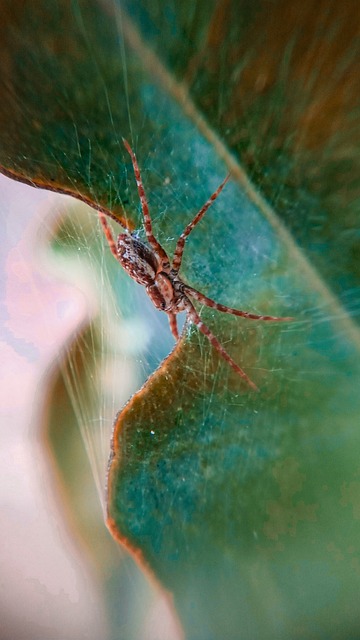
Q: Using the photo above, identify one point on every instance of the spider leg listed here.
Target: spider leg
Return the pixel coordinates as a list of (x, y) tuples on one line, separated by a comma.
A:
[(193, 315), (181, 241), (173, 325), (165, 263), (108, 234), (235, 312)]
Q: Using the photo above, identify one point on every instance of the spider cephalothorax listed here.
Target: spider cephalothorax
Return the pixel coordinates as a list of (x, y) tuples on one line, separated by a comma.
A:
[(150, 266)]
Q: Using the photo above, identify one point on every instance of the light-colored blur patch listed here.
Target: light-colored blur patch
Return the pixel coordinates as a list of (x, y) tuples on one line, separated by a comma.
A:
[(160, 624), (49, 589)]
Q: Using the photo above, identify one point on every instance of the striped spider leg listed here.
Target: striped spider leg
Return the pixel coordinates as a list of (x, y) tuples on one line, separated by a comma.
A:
[(149, 265)]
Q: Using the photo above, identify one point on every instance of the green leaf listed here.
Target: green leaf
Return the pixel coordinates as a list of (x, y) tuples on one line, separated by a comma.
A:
[(280, 84), (243, 505)]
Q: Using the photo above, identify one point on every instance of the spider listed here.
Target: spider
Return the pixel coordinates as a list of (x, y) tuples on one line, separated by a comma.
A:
[(150, 266)]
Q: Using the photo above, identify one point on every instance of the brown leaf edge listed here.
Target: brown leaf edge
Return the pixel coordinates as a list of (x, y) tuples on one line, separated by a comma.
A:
[(115, 460), (135, 552), (37, 183)]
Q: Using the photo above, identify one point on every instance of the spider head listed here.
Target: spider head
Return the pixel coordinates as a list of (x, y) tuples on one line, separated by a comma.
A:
[(137, 259)]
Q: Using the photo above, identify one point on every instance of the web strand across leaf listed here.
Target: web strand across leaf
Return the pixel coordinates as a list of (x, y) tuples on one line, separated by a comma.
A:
[(149, 265)]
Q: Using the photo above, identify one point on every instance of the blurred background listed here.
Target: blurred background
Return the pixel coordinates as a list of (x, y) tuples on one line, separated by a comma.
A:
[(62, 575)]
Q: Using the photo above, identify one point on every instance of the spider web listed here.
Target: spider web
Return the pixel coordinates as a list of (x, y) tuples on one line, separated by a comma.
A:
[(225, 455), (226, 237)]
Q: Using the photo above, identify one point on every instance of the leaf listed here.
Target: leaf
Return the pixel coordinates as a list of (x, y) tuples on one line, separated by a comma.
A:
[(244, 505), (60, 127), (280, 84)]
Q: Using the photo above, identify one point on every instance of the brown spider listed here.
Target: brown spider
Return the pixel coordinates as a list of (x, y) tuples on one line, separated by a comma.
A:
[(151, 267)]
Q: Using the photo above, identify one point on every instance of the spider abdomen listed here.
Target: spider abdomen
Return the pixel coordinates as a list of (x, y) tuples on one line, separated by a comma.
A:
[(137, 259)]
